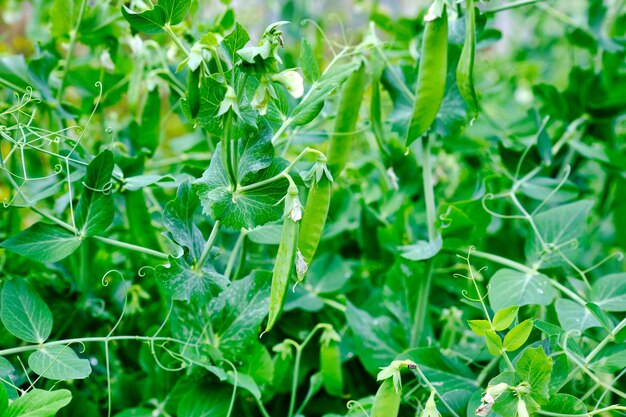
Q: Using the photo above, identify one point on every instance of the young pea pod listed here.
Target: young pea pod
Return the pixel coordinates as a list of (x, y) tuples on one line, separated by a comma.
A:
[(465, 68), (345, 123), (330, 363), (314, 218), (431, 76), (286, 255), (193, 91), (387, 400)]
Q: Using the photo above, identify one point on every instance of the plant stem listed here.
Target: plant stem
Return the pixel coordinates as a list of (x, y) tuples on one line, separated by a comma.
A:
[(605, 341), (132, 247), (227, 150), (208, 246), (168, 29), (512, 5), (70, 49), (429, 193), (421, 306), (233, 254)]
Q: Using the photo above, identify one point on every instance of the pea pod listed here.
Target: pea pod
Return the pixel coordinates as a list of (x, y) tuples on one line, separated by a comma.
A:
[(193, 91), (387, 400), (286, 255), (330, 363), (431, 76), (465, 68), (345, 123), (315, 213)]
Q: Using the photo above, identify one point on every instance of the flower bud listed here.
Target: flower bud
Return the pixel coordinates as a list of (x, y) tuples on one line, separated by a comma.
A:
[(292, 81)]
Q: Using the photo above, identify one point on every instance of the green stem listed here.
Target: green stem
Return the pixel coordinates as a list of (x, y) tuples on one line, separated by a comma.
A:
[(208, 246), (429, 193), (511, 5), (168, 29), (605, 341), (70, 49), (132, 247), (227, 149), (233, 254), (421, 307)]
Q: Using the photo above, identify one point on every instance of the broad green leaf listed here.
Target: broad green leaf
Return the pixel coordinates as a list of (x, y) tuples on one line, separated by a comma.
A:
[(181, 281), (503, 318), (43, 243), (308, 63), (24, 313), (63, 17), (234, 41), (493, 341), (201, 400), (609, 292), (573, 316), (178, 219), (59, 363), (313, 101), (565, 404), (149, 21), (421, 250), (479, 326), (611, 359), (513, 288), (175, 10), (535, 368), (559, 227), (448, 373), (517, 336), (39, 403), (95, 209)]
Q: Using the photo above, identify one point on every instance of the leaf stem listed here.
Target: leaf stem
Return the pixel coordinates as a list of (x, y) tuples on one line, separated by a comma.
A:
[(70, 49), (132, 247), (208, 246), (234, 252), (168, 29)]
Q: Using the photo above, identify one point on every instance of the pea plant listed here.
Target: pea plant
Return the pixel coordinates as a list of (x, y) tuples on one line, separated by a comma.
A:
[(210, 210)]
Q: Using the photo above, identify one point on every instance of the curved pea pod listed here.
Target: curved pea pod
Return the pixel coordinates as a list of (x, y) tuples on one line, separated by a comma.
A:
[(387, 400), (465, 68), (431, 76), (315, 214), (330, 366), (345, 124), (286, 256), (193, 91)]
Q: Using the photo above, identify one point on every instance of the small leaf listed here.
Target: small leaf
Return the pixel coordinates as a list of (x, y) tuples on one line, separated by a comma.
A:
[(479, 326), (503, 318), (95, 209), (43, 243), (59, 363), (24, 313), (609, 292), (39, 403), (517, 336), (149, 21), (535, 367), (421, 250), (494, 342), (308, 63)]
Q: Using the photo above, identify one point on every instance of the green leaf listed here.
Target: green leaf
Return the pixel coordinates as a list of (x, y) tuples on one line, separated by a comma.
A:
[(175, 10), (95, 210), (611, 359), (4, 399), (178, 219), (308, 63), (565, 404), (63, 17), (204, 400), (149, 21), (421, 250), (609, 292), (59, 363), (313, 101), (559, 227), (513, 288), (24, 313), (573, 316), (145, 135), (448, 373), (43, 243), (234, 41), (6, 369), (39, 403), (602, 317), (503, 318), (517, 336), (494, 342), (479, 326), (535, 368), (181, 281)]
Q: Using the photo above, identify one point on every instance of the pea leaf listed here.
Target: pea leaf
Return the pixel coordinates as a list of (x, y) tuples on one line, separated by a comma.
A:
[(573, 316), (517, 336), (494, 342), (149, 21), (611, 359), (448, 373), (24, 313), (503, 318), (313, 101), (565, 404), (609, 292), (6, 369), (514, 288), (479, 326), (178, 219), (59, 362), (203, 400), (175, 10), (95, 209), (43, 243), (39, 403), (308, 63), (535, 367), (234, 41), (63, 17)]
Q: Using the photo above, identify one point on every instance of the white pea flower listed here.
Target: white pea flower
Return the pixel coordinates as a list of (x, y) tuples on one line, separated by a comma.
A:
[(301, 265), (106, 61), (431, 408), (522, 411), (292, 80)]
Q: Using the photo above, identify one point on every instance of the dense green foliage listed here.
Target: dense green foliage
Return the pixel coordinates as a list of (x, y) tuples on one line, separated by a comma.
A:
[(423, 216)]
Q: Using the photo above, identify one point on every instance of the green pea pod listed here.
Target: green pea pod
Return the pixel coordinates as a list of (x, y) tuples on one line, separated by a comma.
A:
[(285, 257), (193, 91), (387, 400), (465, 69), (314, 217), (330, 366), (345, 123), (431, 77)]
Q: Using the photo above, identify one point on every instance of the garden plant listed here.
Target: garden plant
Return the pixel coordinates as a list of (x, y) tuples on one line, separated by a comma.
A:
[(281, 209)]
